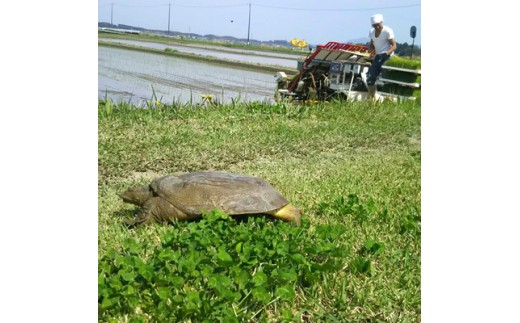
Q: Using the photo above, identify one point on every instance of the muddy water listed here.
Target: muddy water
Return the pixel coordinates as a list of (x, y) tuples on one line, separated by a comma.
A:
[(133, 76), (264, 58)]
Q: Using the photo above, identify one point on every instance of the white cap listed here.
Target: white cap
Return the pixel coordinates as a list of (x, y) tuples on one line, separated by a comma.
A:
[(375, 19)]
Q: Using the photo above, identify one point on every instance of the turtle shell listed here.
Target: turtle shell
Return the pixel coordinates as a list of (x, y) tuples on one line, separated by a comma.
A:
[(231, 193)]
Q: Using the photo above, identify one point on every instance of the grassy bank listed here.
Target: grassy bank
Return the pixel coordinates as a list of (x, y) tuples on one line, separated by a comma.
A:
[(354, 168)]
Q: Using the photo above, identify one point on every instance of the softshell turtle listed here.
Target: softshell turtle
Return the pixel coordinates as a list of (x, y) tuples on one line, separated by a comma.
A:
[(186, 196)]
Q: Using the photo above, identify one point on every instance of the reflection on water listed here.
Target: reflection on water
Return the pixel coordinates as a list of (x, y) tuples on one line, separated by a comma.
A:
[(132, 76), (248, 56)]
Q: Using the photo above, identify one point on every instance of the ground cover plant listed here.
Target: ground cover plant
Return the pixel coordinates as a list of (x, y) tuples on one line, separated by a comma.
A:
[(354, 169)]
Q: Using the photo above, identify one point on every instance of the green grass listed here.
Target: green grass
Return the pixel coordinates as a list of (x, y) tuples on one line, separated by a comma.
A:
[(354, 168)]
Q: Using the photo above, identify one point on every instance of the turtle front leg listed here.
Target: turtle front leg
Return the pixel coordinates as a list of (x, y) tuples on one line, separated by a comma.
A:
[(143, 217), (156, 210)]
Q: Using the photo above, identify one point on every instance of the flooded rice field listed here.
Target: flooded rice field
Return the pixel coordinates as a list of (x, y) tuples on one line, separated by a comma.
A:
[(133, 76), (257, 57)]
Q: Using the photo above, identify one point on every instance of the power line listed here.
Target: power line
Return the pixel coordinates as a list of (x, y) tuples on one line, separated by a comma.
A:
[(112, 4), (259, 5), (350, 9), (216, 6), (176, 5), (140, 6)]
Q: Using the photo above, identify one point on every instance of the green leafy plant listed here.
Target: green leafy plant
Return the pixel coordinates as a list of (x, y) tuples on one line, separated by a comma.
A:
[(349, 207), (247, 264)]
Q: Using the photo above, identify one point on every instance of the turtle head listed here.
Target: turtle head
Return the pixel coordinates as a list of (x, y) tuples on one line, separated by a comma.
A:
[(137, 195)]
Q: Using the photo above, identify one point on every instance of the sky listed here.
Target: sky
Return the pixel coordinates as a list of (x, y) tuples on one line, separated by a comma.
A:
[(315, 21)]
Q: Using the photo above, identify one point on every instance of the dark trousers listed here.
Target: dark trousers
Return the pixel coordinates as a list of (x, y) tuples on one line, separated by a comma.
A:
[(375, 68)]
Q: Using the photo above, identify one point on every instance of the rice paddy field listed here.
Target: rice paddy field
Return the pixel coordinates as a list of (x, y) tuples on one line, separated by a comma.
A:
[(354, 168)]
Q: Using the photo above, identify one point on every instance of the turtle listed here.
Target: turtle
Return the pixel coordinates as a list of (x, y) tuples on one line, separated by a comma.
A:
[(186, 196)]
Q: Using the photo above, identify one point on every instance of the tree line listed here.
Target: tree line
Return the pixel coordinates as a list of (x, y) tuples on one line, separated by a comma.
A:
[(405, 50)]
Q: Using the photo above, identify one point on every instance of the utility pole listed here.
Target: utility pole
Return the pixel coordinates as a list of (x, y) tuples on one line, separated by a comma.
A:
[(169, 6), (249, 24), (112, 14)]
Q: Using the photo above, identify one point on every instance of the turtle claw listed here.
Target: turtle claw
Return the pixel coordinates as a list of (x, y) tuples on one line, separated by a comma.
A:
[(130, 223), (141, 218)]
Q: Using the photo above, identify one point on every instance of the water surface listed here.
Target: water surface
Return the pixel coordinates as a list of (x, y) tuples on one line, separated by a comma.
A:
[(256, 57), (133, 76)]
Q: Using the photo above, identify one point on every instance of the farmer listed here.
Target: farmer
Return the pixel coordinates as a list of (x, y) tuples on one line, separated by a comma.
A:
[(382, 40)]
